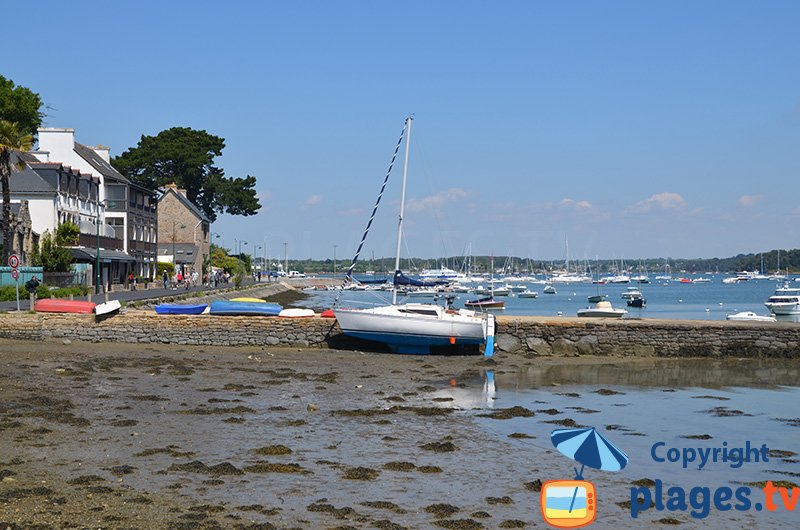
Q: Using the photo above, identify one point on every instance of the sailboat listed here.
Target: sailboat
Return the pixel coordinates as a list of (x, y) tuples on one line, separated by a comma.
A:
[(415, 328), (488, 302)]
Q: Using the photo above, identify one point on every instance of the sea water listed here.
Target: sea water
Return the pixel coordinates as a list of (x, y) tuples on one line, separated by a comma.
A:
[(671, 300)]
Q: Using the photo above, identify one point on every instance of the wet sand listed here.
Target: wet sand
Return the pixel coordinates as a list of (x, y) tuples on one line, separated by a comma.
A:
[(140, 436)]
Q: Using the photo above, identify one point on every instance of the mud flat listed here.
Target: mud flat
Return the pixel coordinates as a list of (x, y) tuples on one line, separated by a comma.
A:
[(112, 435)]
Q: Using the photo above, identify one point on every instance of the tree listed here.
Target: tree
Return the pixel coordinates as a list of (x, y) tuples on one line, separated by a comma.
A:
[(12, 139), (186, 157), (21, 106), (54, 257)]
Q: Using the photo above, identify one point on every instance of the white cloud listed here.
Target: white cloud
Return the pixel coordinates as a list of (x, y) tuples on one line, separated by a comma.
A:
[(659, 201), (312, 201), (437, 200), (576, 205), (750, 200)]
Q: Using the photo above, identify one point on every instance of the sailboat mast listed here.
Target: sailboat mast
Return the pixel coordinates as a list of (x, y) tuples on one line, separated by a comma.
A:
[(409, 120)]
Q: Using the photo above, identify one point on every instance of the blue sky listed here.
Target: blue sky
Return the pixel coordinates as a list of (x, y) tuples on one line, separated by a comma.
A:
[(634, 129)]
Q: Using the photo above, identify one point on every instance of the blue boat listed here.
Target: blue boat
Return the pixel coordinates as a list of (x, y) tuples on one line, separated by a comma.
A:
[(180, 309), (227, 307)]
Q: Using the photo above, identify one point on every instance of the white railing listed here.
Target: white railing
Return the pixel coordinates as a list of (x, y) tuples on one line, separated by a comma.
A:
[(88, 227)]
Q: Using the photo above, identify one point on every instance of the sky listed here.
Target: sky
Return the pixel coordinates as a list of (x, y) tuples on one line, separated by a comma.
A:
[(595, 129)]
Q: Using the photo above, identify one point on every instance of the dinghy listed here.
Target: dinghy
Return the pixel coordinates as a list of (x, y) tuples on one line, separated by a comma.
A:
[(296, 313), (180, 309), (229, 307), (58, 305), (112, 306)]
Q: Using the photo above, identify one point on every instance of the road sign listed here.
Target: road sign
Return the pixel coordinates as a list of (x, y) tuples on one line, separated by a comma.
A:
[(13, 261), (15, 274)]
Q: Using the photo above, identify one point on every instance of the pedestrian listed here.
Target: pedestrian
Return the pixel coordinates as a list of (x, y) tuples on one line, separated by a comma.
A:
[(131, 281), (165, 279)]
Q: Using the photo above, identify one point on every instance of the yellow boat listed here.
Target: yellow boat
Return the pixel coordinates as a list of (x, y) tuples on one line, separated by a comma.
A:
[(246, 299)]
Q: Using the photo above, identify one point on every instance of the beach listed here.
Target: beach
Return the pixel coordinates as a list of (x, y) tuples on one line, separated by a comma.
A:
[(113, 435)]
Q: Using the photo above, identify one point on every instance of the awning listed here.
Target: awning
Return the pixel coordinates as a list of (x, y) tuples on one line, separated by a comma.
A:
[(106, 256)]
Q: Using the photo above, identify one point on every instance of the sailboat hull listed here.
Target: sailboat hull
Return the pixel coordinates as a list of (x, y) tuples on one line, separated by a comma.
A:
[(413, 328)]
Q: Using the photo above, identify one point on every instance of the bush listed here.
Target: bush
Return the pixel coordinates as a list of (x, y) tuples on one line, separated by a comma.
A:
[(45, 291), (162, 266)]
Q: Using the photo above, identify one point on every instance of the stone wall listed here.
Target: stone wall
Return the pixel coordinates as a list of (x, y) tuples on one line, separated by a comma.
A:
[(515, 335)]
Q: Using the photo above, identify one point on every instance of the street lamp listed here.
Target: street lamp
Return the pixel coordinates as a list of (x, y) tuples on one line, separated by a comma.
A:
[(240, 246), (334, 261), (104, 202)]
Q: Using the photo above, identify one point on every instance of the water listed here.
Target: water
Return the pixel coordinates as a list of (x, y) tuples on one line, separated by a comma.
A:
[(670, 300), (682, 404)]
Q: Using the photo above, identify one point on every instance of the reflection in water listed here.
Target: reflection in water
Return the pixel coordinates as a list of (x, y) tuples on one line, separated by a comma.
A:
[(787, 318), (671, 373), (467, 397)]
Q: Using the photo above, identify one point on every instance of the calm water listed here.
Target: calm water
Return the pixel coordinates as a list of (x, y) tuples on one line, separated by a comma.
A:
[(674, 300), (684, 404)]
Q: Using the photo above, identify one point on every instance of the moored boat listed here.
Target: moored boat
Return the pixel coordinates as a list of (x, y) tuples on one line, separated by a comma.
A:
[(528, 294), (602, 310), (485, 303), (785, 301), (749, 316)]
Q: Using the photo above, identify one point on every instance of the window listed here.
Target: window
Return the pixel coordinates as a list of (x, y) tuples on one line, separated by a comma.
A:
[(115, 194)]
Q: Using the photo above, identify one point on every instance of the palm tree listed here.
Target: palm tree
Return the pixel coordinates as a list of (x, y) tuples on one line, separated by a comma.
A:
[(11, 140)]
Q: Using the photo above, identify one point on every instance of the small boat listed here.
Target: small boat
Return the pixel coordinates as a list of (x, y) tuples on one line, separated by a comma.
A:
[(249, 299), (180, 309), (502, 291), (485, 303), (106, 308), (636, 302), (328, 313), (229, 307), (59, 305), (749, 316), (597, 298), (602, 309), (702, 280), (685, 280), (549, 289), (631, 293), (296, 313), (528, 294)]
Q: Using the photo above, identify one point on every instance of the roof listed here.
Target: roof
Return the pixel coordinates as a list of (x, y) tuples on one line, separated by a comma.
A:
[(97, 162), (26, 180), (84, 253), (186, 202)]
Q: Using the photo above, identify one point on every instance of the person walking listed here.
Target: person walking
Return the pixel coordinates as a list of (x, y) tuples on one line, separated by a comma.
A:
[(165, 279)]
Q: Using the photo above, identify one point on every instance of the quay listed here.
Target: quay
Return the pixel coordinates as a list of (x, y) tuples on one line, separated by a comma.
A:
[(529, 336)]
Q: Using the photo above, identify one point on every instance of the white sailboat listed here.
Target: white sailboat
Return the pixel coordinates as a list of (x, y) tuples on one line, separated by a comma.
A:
[(416, 328)]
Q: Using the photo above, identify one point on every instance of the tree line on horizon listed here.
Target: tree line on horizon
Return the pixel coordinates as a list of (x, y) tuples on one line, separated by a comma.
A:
[(789, 260)]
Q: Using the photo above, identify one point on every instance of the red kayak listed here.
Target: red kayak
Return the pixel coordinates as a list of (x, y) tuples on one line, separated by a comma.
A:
[(58, 305)]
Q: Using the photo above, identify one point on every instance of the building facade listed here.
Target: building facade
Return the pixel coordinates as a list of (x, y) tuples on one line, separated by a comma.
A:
[(184, 232)]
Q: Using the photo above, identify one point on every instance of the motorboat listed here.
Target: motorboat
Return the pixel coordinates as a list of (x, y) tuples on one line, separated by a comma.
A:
[(785, 301), (636, 302), (631, 293), (527, 294), (487, 302), (602, 309), (749, 316), (597, 298), (702, 279), (549, 289)]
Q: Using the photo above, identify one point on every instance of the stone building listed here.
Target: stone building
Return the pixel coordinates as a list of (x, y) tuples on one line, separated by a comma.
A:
[(184, 232), (23, 238)]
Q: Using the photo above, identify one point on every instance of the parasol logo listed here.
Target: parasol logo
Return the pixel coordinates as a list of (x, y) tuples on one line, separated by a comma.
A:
[(573, 503)]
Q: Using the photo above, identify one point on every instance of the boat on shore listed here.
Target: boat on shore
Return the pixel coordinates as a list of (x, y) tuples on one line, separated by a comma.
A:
[(59, 305), (181, 309), (107, 308), (231, 308), (413, 328), (602, 309)]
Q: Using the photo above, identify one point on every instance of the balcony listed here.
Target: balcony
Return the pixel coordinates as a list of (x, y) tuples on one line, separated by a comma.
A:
[(89, 228)]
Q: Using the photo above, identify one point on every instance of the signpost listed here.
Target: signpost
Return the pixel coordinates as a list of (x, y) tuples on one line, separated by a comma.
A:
[(13, 262)]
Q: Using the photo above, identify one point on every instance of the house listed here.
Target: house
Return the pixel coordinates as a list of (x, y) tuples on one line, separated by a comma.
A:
[(128, 208), (184, 232), (52, 193)]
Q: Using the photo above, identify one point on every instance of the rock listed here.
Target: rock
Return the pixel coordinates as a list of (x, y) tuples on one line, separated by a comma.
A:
[(66, 342), (507, 343), (312, 407), (538, 346), (564, 348)]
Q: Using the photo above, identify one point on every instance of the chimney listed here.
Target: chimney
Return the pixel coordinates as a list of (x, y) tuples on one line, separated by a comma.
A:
[(173, 186), (57, 141), (103, 152)]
